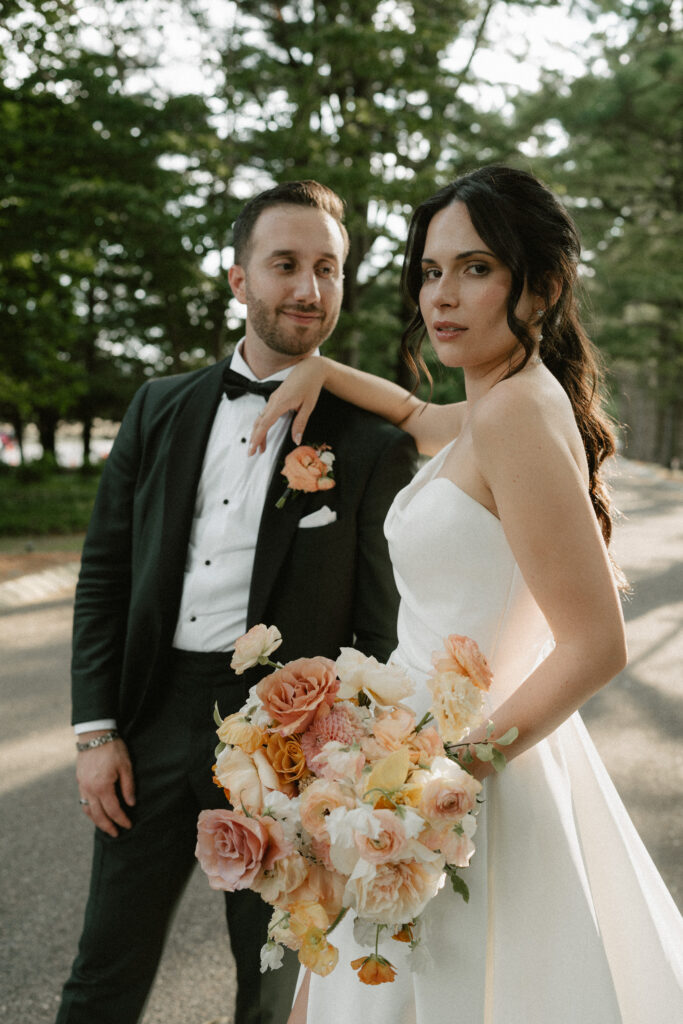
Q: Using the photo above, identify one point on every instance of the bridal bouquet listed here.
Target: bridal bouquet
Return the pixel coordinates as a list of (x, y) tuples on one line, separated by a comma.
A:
[(341, 800)]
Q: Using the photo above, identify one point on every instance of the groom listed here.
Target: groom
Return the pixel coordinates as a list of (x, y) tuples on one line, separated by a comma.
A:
[(185, 551)]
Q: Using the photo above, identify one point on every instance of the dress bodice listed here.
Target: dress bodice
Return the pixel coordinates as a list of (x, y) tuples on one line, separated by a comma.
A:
[(455, 573)]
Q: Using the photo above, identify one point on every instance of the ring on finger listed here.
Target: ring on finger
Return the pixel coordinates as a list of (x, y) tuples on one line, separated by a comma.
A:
[(83, 802)]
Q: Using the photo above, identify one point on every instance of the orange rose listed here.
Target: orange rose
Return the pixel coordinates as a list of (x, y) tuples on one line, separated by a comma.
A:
[(462, 655), (295, 694), (305, 470), (373, 969), (391, 729), (287, 757)]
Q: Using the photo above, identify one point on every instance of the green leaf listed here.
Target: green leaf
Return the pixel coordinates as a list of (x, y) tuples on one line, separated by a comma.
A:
[(460, 887), (217, 715), (509, 737), (489, 729), (219, 749), (484, 751), (498, 760)]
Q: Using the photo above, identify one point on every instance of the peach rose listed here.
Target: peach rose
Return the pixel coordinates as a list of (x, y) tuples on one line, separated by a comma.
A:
[(450, 794), (255, 647), (238, 731), (318, 799), (296, 694), (232, 849), (322, 887), (457, 704), (286, 875), (388, 844), (287, 757), (456, 848), (392, 893), (391, 729), (306, 470), (236, 772), (461, 654)]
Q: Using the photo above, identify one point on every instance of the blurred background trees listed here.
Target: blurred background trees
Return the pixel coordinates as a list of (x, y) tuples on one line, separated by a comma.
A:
[(132, 132)]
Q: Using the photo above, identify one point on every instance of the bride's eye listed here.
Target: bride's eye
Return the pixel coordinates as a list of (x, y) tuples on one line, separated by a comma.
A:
[(430, 274), (477, 269)]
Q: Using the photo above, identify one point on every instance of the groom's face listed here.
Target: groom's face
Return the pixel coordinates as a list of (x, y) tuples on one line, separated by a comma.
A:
[(291, 284)]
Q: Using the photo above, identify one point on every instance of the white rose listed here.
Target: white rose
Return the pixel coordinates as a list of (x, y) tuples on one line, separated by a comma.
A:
[(385, 684)]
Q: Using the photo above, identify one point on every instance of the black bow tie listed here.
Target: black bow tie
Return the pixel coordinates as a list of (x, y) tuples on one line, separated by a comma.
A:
[(235, 385)]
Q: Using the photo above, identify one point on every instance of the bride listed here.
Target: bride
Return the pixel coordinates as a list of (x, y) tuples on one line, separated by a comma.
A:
[(502, 536)]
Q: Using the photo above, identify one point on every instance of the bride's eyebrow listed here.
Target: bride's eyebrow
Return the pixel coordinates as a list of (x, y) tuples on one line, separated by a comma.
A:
[(463, 255)]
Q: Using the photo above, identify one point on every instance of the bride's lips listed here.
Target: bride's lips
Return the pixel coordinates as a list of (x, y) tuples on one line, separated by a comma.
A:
[(447, 330)]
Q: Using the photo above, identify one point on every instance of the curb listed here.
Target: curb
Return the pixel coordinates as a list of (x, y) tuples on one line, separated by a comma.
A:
[(39, 586)]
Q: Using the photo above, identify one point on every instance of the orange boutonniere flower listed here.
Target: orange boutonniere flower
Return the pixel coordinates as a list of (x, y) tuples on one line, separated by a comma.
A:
[(373, 969), (308, 468)]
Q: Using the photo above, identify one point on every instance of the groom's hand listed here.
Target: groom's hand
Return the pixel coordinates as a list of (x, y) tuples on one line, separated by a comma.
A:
[(98, 772)]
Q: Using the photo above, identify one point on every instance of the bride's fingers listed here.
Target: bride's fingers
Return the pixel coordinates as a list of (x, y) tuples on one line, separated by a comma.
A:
[(274, 408)]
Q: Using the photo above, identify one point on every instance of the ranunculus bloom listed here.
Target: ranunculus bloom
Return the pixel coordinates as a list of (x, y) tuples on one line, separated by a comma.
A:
[(450, 793), (342, 724), (318, 799), (239, 776), (373, 969), (461, 654), (238, 731), (305, 470), (232, 848), (426, 744), (287, 757), (388, 844), (457, 704), (295, 694), (391, 729), (392, 893), (457, 849), (385, 684), (286, 875), (258, 643)]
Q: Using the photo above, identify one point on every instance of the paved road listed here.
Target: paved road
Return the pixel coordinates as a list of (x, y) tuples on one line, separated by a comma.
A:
[(45, 842)]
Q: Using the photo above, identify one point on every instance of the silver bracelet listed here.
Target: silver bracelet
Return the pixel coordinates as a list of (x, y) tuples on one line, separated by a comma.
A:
[(98, 741)]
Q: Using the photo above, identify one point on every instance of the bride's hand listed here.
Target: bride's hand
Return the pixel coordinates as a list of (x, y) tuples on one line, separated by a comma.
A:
[(298, 393)]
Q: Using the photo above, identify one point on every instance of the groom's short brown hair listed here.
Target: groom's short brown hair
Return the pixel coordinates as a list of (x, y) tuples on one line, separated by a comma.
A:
[(289, 193)]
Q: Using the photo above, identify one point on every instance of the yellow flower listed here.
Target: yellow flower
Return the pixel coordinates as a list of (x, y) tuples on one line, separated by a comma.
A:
[(287, 757), (317, 953), (238, 731), (389, 773), (373, 969)]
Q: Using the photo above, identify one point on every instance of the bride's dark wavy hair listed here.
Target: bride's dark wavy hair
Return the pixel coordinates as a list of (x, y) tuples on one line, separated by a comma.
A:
[(526, 227)]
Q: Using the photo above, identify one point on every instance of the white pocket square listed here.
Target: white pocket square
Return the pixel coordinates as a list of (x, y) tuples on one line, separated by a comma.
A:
[(321, 517)]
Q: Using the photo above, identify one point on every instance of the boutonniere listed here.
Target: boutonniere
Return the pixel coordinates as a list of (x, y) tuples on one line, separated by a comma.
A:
[(308, 468)]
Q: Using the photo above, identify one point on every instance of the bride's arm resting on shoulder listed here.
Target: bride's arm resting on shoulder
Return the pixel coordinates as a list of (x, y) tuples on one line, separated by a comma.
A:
[(530, 464), (432, 426)]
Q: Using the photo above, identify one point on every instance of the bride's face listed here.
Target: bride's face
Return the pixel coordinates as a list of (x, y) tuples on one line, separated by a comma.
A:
[(464, 294)]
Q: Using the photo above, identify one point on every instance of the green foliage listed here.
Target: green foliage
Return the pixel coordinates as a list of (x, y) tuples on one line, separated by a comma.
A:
[(37, 500)]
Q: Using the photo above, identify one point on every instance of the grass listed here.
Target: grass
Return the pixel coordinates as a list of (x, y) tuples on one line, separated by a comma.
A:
[(35, 510)]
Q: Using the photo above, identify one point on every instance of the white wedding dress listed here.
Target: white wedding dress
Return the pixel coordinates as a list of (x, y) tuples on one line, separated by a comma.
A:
[(568, 921)]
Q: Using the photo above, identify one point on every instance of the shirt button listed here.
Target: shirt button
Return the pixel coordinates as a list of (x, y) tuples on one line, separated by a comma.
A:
[(193, 618), (243, 440), (207, 562), (226, 501)]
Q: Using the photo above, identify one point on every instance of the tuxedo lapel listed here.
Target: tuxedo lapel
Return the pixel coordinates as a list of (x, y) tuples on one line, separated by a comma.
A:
[(187, 445), (278, 526)]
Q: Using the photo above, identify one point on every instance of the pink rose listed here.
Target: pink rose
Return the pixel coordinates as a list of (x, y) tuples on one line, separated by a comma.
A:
[(296, 694), (462, 655), (390, 842), (255, 647), (457, 849), (393, 893), (305, 470), (450, 794), (318, 800), (232, 849)]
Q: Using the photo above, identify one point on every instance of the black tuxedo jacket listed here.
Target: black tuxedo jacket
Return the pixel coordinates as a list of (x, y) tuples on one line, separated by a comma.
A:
[(323, 587)]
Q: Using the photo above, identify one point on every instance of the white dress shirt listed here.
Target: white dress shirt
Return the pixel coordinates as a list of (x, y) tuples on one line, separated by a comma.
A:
[(227, 512)]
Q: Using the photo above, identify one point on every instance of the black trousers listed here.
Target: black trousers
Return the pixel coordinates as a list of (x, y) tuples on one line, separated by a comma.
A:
[(138, 877)]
